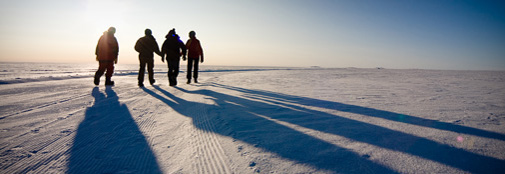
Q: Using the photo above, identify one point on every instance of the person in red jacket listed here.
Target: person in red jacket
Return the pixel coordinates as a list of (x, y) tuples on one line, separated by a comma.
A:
[(195, 55), (106, 53)]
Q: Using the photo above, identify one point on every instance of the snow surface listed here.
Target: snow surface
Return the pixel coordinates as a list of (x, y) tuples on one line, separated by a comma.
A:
[(254, 120)]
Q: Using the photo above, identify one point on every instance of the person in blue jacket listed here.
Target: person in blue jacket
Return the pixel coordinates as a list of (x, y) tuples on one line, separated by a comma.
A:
[(172, 49)]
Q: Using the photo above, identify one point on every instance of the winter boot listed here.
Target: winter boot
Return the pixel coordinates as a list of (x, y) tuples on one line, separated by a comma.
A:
[(196, 81), (97, 80), (189, 81), (152, 81), (108, 82), (170, 81)]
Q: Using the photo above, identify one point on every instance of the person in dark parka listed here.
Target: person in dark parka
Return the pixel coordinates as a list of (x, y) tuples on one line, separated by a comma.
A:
[(146, 46), (195, 56), (106, 52), (172, 48)]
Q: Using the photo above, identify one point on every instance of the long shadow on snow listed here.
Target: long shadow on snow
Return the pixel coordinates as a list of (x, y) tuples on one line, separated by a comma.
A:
[(109, 141), (360, 131), (367, 111), (268, 135)]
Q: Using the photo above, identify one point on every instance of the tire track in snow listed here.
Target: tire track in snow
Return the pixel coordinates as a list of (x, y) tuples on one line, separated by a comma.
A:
[(43, 142), (42, 106), (41, 163), (146, 125), (38, 152), (210, 156), (58, 121)]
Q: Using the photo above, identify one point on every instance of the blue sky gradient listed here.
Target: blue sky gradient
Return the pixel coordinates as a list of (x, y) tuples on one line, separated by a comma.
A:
[(403, 34)]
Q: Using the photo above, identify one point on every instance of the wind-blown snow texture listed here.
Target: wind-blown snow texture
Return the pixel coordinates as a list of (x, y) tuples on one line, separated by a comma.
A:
[(252, 120)]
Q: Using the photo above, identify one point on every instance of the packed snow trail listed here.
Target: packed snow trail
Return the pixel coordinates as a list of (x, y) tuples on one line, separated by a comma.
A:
[(259, 121)]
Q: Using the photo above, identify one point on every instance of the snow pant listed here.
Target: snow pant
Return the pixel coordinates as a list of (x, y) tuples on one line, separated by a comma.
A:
[(102, 67), (193, 62), (149, 61), (173, 70)]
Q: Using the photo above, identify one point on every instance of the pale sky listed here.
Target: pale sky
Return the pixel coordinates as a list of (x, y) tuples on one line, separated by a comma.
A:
[(403, 34)]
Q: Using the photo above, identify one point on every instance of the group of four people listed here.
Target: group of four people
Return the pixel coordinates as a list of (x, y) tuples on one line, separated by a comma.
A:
[(107, 52)]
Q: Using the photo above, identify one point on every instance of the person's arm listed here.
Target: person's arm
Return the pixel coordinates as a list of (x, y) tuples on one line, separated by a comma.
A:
[(138, 46), (97, 45), (155, 46), (116, 46), (163, 51), (201, 51), (157, 49), (97, 48), (183, 47)]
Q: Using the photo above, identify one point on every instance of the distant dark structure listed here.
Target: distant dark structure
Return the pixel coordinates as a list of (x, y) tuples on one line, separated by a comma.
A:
[(195, 55), (173, 48), (147, 46), (106, 52)]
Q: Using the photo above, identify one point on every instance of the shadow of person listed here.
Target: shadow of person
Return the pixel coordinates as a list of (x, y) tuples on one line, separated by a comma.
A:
[(267, 134), (109, 141), (371, 112), (359, 131)]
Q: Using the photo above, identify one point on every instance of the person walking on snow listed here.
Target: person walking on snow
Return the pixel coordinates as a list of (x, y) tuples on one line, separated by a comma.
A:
[(172, 48), (106, 52), (146, 46), (195, 54)]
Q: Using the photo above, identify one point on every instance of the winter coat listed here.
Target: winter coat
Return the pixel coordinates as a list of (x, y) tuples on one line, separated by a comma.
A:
[(173, 47), (146, 46), (107, 48), (194, 49)]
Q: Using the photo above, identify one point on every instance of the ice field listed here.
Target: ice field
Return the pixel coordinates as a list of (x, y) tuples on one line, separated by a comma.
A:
[(251, 120)]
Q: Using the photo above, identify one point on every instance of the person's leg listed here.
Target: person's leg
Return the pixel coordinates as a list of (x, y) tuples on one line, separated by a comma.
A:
[(176, 63), (108, 74), (168, 66), (195, 72), (170, 71), (150, 70), (99, 73), (142, 71), (190, 67)]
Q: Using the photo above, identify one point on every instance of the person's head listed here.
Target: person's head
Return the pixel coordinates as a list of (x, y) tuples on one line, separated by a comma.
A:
[(111, 30), (148, 32), (172, 32), (192, 34)]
